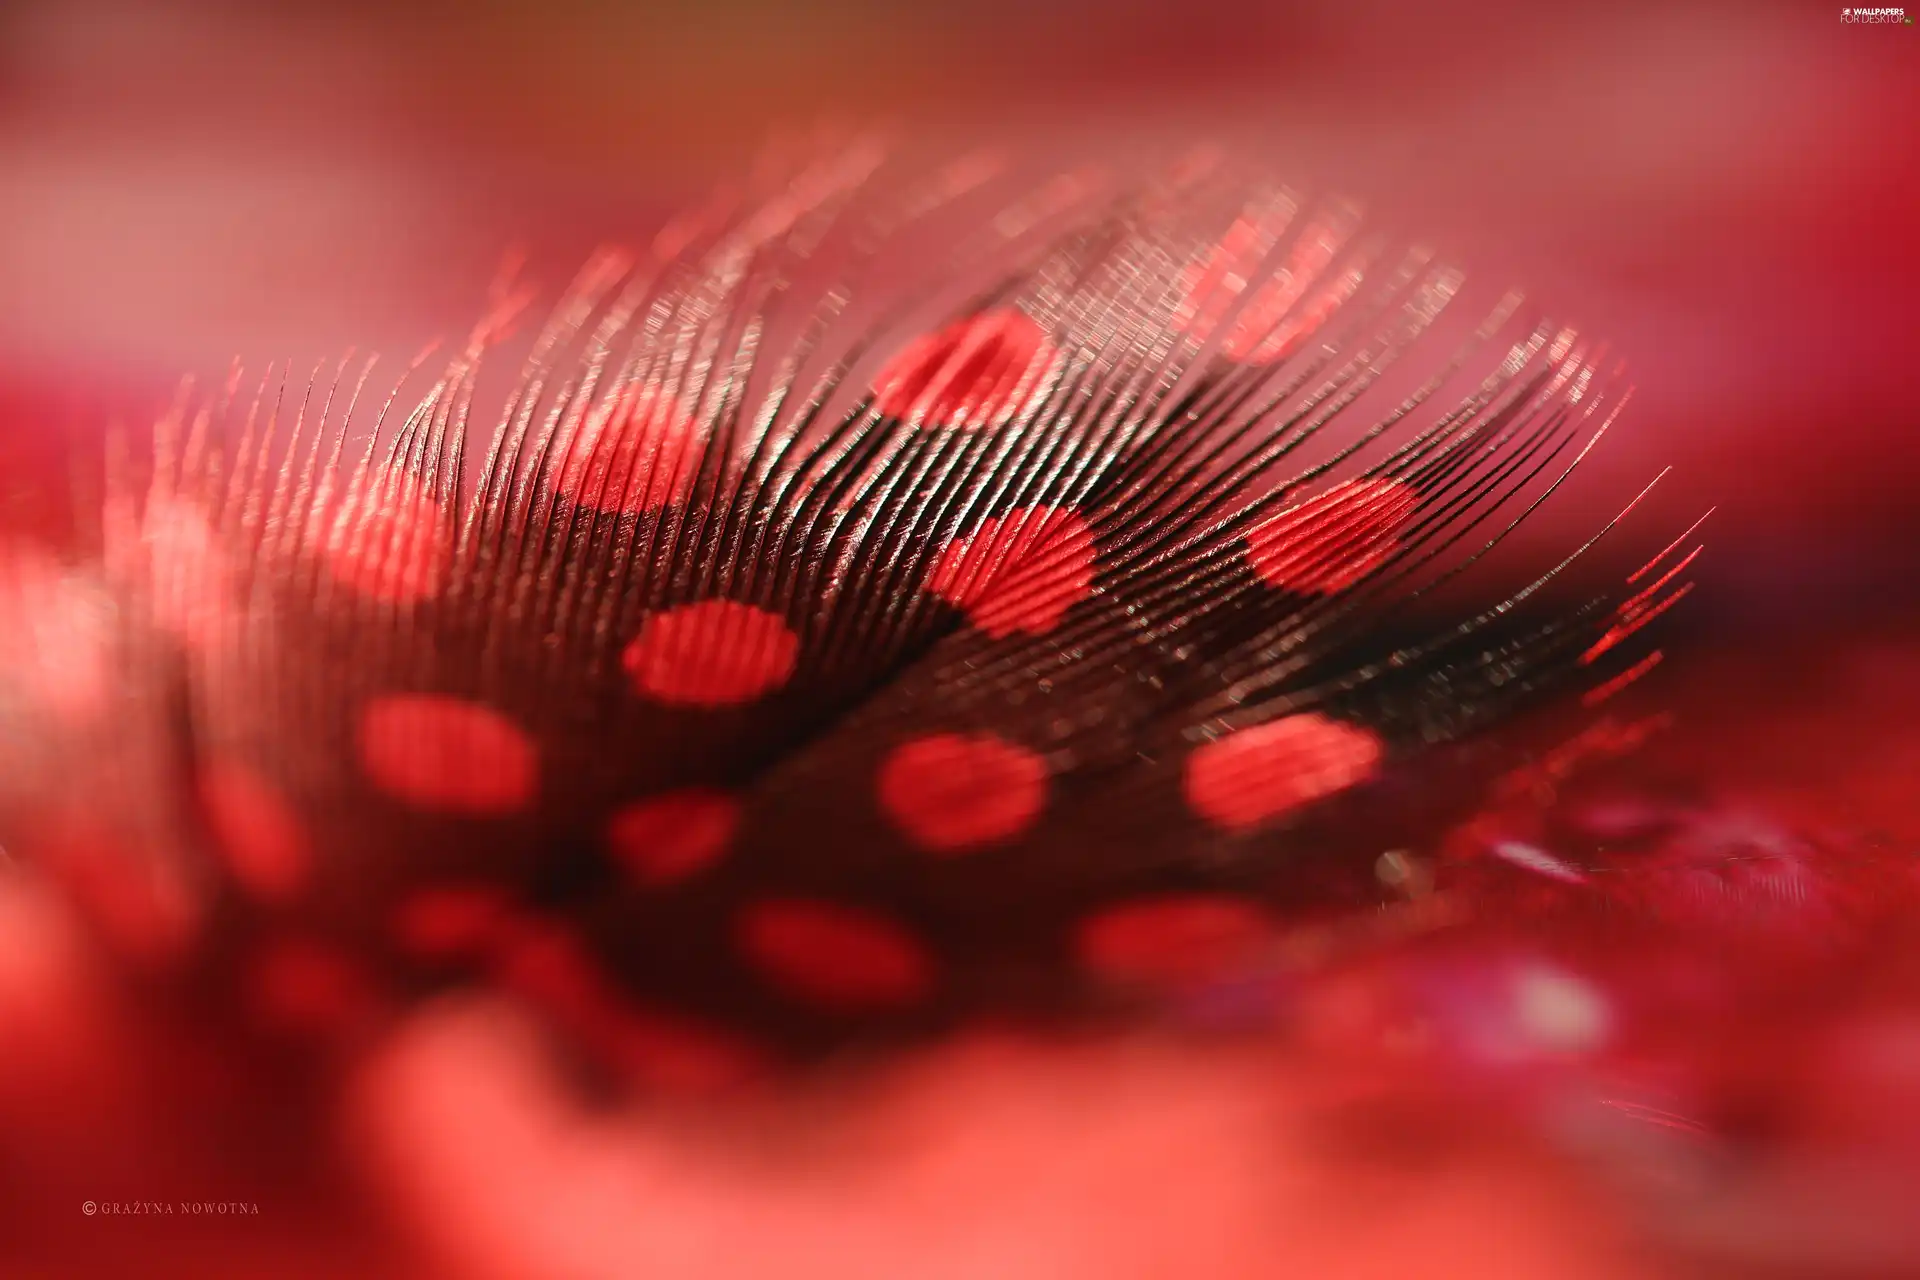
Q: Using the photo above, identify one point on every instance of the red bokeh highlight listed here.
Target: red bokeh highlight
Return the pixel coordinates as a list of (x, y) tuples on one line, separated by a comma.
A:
[(1332, 540), (954, 792), (976, 372), (669, 837), (1173, 941), (1253, 776), (265, 843), (835, 956), (446, 755), (388, 540), (644, 456), (1018, 572), (715, 653)]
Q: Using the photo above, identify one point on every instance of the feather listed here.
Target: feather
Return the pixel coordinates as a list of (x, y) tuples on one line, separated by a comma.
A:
[(811, 655)]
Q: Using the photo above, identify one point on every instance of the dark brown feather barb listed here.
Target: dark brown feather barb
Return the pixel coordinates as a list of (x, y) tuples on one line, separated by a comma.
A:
[(816, 675)]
